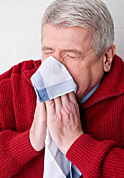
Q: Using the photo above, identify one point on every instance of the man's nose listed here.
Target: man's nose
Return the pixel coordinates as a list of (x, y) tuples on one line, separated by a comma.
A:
[(58, 54)]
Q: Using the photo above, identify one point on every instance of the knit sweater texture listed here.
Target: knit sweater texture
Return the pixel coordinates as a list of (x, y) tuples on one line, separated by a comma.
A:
[(97, 153)]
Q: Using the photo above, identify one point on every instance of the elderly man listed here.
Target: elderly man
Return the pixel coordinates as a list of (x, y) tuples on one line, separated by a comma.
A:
[(87, 127)]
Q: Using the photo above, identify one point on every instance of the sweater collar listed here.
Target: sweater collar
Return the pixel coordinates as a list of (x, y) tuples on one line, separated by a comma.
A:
[(28, 73), (111, 85)]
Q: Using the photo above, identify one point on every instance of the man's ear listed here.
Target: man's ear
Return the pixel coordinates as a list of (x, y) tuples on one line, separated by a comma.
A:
[(108, 57)]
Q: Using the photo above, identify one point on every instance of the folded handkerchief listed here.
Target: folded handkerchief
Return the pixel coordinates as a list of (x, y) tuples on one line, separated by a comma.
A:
[(56, 165), (51, 80)]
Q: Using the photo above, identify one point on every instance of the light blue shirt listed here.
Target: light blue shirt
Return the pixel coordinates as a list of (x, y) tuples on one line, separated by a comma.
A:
[(82, 100)]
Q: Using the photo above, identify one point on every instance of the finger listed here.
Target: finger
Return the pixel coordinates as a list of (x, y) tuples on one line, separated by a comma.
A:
[(41, 109), (40, 116), (65, 99), (72, 98), (58, 104), (66, 103), (50, 107)]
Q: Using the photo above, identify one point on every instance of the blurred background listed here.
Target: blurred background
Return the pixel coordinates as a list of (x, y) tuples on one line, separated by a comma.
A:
[(20, 29)]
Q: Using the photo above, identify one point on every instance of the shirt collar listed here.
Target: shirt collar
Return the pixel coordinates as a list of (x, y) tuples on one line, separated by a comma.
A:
[(83, 99)]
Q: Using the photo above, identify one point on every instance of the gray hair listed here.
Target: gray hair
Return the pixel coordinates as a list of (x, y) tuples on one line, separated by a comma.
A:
[(83, 13)]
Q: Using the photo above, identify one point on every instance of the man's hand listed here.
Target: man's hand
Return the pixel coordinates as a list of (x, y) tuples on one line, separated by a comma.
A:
[(38, 129), (63, 121)]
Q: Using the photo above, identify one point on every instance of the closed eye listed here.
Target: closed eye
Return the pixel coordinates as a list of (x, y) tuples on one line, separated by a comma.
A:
[(47, 51), (73, 57)]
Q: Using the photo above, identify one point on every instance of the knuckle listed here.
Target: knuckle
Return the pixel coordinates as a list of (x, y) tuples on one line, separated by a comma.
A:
[(76, 105), (51, 102), (68, 108), (58, 115)]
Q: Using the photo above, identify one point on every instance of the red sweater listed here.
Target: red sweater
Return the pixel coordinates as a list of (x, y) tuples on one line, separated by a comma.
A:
[(97, 153)]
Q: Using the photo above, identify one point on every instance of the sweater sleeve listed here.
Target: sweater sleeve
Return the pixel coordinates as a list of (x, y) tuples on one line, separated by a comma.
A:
[(97, 159), (15, 148), (15, 152)]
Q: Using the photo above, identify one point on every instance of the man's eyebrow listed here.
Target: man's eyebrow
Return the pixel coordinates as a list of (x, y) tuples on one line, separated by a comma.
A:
[(47, 48), (73, 51)]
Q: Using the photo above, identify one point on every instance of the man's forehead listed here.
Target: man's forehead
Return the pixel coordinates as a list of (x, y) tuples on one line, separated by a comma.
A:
[(67, 38), (73, 30)]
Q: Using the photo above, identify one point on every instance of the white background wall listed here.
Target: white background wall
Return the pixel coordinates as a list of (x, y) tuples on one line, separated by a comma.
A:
[(20, 22)]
